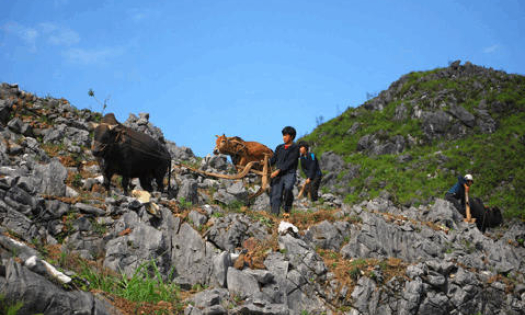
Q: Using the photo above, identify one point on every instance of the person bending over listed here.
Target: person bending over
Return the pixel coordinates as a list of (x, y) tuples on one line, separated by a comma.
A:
[(310, 167), (456, 194)]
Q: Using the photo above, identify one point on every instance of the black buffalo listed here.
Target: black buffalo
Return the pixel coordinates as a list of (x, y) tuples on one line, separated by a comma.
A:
[(131, 154), (486, 217)]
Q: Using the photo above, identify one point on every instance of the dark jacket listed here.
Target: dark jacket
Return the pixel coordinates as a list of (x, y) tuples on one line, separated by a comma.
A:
[(310, 166), (285, 160), (458, 190)]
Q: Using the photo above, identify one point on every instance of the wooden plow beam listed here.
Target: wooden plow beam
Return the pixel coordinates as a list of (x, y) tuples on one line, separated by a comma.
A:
[(302, 191), (469, 218), (265, 174)]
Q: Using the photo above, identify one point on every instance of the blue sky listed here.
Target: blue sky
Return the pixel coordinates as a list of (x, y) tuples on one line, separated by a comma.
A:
[(245, 68)]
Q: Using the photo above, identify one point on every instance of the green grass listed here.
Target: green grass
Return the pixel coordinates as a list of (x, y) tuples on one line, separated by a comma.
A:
[(235, 206), (77, 180), (496, 160), (146, 284), (356, 267), (185, 204), (9, 307)]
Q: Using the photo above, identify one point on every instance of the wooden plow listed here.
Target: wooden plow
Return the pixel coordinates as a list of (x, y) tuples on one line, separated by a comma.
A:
[(243, 172), (469, 218)]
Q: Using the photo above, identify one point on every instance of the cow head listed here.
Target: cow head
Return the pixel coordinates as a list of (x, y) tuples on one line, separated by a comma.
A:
[(105, 135), (221, 145)]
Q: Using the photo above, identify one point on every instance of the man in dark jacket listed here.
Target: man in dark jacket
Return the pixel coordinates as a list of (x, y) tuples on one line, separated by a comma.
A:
[(311, 169), (456, 194), (285, 160)]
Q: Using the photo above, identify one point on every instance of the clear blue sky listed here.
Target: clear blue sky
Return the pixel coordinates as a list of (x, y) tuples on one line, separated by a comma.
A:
[(244, 68)]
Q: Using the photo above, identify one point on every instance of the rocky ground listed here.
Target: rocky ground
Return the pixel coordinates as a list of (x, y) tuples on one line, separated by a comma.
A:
[(375, 257)]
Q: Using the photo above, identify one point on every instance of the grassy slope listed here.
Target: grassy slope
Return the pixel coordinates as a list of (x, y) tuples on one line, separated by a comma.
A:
[(496, 160)]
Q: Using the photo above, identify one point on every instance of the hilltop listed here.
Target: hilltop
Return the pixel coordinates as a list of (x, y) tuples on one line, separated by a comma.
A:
[(427, 128), (67, 246)]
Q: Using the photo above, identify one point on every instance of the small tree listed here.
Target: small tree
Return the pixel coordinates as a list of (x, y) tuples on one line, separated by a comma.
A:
[(370, 95), (319, 120), (91, 93)]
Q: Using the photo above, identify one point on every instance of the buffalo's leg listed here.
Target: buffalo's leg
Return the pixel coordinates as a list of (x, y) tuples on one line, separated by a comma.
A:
[(125, 184), (160, 184), (159, 177), (145, 182), (107, 179)]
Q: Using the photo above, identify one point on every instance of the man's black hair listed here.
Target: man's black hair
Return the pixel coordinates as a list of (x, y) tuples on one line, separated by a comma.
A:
[(288, 130), (303, 144)]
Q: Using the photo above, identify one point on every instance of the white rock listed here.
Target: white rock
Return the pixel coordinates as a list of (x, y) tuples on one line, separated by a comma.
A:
[(71, 193), (284, 227), (52, 271)]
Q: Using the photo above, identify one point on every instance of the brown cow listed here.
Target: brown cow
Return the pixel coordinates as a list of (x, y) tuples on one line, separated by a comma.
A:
[(241, 152)]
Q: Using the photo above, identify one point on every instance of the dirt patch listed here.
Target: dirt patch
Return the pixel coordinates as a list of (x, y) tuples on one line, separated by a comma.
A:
[(401, 219), (69, 161), (255, 252), (133, 308), (348, 271), (52, 150)]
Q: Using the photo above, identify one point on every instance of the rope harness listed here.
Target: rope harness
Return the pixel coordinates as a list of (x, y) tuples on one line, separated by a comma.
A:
[(239, 144)]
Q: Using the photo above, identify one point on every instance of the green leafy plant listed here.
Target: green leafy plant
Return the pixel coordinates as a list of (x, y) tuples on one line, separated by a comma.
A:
[(40, 247), (217, 215), (184, 204), (99, 229), (235, 206), (9, 307), (354, 273), (77, 180), (145, 285)]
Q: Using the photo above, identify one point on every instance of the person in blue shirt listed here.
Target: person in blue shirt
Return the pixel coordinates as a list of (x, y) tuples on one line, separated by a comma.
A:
[(310, 167), (456, 194), (285, 160)]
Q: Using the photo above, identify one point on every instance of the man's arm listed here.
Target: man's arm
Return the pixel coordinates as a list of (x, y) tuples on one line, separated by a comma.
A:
[(273, 159)]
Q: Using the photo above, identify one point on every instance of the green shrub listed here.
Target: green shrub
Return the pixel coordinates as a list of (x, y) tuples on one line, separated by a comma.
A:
[(9, 307), (145, 285), (184, 204)]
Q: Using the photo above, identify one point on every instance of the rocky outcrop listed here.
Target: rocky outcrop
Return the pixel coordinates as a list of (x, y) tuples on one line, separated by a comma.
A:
[(375, 257), (373, 146), (42, 296)]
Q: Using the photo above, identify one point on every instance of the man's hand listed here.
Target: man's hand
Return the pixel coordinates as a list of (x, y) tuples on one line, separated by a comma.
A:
[(308, 180), (275, 173)]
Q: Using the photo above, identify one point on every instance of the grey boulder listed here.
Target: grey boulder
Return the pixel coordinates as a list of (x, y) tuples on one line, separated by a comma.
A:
[(40, 295), (51, 178)]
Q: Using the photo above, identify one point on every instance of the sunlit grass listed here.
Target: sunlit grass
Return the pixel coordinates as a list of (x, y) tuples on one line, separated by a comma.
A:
[(496, 160)]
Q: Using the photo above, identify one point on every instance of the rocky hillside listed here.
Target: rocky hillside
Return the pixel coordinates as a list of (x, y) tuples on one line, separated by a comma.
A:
[(427, 128), (69, 247)]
